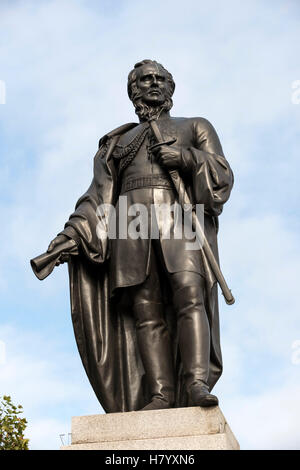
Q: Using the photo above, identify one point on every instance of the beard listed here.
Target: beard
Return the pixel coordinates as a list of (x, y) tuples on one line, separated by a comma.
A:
[(146, 111)]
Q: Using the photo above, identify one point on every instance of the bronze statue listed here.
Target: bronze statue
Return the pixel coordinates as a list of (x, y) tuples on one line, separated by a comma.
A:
[(145, 308)]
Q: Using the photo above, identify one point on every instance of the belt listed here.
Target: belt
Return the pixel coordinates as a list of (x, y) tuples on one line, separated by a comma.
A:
[(147, 181)]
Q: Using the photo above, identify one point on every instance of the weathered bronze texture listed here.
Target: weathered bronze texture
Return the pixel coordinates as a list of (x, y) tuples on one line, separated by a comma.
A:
[(145, 309)]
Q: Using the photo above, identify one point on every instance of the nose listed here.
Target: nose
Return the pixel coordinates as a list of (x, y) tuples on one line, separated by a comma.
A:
[(154, 81)]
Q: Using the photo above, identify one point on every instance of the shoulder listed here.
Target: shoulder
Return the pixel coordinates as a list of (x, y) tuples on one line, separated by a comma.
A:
[(117, 131), (130, 134), (205, 136), (204, 131), (196, 123), (201, 123)]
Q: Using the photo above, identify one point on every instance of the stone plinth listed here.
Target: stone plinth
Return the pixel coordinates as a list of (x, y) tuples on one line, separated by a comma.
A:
[(191, 428)]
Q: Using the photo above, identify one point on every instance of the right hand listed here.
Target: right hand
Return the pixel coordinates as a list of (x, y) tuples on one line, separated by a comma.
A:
[(60, 239)]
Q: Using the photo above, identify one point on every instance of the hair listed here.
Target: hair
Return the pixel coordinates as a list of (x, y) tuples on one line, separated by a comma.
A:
[(143, 110)]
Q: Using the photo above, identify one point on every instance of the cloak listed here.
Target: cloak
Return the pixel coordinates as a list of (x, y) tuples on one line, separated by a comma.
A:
[(104, 328)]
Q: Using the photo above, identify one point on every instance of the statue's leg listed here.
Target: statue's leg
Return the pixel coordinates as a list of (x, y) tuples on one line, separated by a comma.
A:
[(193, 335), (154, 341)]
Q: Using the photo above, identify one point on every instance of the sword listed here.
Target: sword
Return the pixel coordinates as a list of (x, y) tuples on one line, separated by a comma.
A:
[(184, 199)]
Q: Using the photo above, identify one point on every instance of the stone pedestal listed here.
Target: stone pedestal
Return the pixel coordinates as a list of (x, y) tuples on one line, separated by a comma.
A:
[(191, 428)]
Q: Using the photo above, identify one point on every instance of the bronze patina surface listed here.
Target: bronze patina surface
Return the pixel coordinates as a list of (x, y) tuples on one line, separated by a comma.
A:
[(145, 309)]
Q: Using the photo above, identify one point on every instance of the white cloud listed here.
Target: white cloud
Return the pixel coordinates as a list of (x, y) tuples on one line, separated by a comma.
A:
[(47, 381), (268, 421), (262, 260), (48, 434), (66, 73), (65, 66)]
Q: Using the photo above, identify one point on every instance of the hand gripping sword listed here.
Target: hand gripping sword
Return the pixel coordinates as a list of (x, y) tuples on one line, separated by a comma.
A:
[(184, 200)]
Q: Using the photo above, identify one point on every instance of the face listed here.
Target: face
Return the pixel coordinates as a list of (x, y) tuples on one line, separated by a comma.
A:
[(152, 83)]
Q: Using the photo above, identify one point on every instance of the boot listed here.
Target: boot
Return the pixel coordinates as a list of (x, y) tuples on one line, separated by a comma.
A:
[(155, 350), (200, 396), (194, 344)]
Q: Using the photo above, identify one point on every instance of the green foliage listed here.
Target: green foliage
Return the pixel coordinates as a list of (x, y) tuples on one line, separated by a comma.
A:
[(12, 427)]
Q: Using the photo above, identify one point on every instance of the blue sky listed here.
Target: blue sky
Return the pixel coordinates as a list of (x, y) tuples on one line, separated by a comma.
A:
[(65, 65)]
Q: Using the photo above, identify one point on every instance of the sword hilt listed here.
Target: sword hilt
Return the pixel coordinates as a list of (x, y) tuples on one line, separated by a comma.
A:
[(159, 144)]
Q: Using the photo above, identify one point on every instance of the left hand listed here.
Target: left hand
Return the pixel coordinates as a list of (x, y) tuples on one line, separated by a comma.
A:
[(169, 156)]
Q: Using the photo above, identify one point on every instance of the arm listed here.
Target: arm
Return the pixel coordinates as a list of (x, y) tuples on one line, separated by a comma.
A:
[(211, 173), (83, 222), (204, 163)]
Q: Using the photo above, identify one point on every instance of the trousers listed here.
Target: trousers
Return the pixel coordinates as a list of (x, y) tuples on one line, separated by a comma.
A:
[(188, 296)]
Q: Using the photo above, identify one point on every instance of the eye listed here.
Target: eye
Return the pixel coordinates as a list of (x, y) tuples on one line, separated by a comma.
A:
[(146, 78), (160, 78)]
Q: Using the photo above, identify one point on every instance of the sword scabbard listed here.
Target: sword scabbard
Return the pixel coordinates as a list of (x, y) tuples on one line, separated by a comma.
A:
[(200, 235)]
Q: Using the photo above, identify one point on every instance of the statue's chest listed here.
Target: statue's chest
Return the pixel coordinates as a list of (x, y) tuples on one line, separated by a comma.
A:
[(133, 151), (169, 129)]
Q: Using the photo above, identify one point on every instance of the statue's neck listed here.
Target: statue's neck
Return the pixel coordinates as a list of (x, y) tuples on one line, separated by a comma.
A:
[(162, 115)]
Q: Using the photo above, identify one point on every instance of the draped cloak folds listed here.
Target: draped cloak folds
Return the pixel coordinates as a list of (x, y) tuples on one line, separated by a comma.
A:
[(105, 329)]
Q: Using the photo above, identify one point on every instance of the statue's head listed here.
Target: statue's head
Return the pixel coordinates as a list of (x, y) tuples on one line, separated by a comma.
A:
[(150, 88)]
